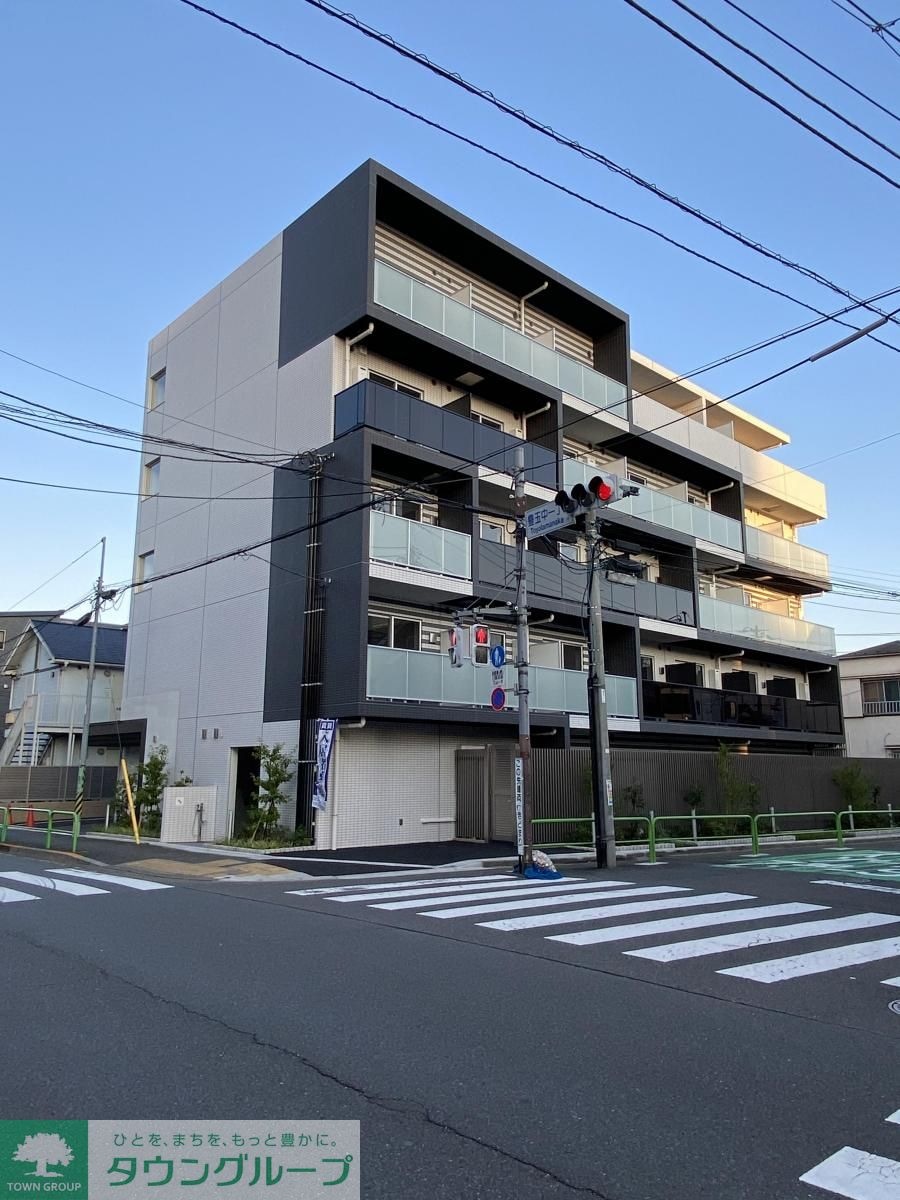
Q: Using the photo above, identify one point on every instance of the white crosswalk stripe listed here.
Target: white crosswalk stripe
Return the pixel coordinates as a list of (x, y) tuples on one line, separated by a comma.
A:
[(551, 901), (140, 885), (435, 889), (54, 885), (524, 890), (775, 970), (602, 911), (742, 939), (856, 1175), (11, 896), (381, 884), (895, 982), (619, 933)]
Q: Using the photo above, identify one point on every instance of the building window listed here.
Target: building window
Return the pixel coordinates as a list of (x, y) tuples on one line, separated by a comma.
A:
[(568, 550), (489, 421), (638, 479), (893, 753), (157, 393), (144, 567), (399, 633), (489, 532), (386, 381), (151, 478), (571, 657), (648, 669), (881, 697), (410, 509)]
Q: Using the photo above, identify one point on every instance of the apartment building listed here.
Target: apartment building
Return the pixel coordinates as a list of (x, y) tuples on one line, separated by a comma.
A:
[(870, 688), (415, 352)]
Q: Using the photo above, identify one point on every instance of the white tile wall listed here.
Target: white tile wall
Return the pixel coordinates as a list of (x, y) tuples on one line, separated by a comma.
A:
[(191, 367), (306, 390), (248, 333)]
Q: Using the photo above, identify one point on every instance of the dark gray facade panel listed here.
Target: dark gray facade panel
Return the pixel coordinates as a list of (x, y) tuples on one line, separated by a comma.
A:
[(286, 627), (325, 267)]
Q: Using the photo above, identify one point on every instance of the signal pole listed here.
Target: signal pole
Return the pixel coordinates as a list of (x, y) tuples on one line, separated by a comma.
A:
[(525, 835), (89, 691), (601, 773)]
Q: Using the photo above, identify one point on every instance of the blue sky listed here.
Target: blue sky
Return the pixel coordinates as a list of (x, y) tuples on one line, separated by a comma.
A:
[(149, 151)]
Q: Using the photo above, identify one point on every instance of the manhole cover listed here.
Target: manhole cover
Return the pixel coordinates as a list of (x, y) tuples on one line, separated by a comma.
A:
[(894, 1006)]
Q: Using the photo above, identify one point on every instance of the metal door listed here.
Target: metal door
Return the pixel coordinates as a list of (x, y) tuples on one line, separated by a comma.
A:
[(502, 794), (472, 785)]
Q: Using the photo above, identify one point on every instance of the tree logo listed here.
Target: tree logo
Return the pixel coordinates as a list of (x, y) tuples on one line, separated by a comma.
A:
[(45, 1150)]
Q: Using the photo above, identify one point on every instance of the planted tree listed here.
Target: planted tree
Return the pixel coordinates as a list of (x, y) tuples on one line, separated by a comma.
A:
[(857, 793), (154, 777), (276, 768), (738, 795)]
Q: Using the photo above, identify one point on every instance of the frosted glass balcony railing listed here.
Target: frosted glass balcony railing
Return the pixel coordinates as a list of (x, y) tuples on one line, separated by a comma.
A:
[(666, 510), (419, 547), (427, 676), (53, 709), (786, 553), (426, 306), (744, 621)]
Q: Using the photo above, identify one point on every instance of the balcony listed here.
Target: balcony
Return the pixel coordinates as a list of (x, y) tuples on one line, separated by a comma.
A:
[(787, 554), (382, 408), (549, 577), (743, 621), (428, 677), (419, 547), (426, 306), (666, 510), (880, 708), (707, 706), (52, 711)]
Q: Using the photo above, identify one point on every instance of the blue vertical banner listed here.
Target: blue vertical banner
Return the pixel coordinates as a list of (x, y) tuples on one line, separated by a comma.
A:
[(325, 731)]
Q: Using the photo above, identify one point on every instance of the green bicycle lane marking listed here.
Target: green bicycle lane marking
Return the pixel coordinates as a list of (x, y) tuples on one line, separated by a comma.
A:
[(860, 864)]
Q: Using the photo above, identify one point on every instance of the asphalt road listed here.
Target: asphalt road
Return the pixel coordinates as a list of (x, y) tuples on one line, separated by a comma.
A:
[(482, 1061)]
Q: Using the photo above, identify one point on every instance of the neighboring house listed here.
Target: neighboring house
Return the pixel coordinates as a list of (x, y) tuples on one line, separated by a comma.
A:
[(416, 352), (48, 672), (12, 626), (870, 688)]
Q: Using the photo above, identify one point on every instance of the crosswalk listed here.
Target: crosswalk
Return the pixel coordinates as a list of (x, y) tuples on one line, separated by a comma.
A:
[(857, 1174), (616, 912), (67, 881)]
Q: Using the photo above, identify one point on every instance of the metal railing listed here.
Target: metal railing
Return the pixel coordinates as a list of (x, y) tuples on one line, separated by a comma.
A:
[(880, 708), (714, 837), (588, 823), (418, 546), (785, 553), (744, 621), (6, 821), (425, 305)]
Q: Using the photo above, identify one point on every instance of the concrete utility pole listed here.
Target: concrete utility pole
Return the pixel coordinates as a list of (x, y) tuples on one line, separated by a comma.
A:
[(523, 767), (601, 774), (89, 691)]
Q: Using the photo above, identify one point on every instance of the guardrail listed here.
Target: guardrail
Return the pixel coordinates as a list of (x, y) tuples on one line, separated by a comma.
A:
[(655, 822), (589, 820), (773, 818), (6, 811)]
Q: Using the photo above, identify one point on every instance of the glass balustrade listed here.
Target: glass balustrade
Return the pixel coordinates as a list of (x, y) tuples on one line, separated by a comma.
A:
[(426, 676), (419, 547), (426, 306), (744, 621), (785, 553)]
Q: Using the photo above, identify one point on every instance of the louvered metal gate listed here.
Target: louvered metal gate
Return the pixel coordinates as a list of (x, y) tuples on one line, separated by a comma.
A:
[(472, 784)]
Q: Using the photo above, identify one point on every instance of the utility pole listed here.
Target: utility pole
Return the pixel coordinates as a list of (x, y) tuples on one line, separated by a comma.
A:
[(601, 774), (523, 767), (88, 695)]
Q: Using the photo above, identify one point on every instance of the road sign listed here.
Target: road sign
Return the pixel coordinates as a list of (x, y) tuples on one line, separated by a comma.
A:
[(520, 808), (498, 656), (498, 677), (498, 699), (546, 519)]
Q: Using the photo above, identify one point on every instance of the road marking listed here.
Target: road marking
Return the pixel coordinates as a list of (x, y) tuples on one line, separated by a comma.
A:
[(139, 885), (862, 887), (675, 924), (761, 937), (384, 883), (602, 911), (550, 901), (11, 896), (856, 1175), (435, 889), (55, 885), (894, 1118), (895, 982), (524, 889), (774, 970)]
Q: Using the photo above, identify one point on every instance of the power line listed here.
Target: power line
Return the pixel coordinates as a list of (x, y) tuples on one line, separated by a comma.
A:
[(809, 58), (61, 571), (787, 79), (593, 155), (882, 29), (761, 95), (506, 159)]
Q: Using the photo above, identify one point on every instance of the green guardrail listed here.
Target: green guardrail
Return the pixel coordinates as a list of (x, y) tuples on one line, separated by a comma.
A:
[(589, 820), (748, 817), (773, 818), (6, 820), (856, 814)]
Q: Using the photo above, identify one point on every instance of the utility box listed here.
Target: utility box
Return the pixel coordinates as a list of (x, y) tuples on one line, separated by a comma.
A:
[(193, 814)]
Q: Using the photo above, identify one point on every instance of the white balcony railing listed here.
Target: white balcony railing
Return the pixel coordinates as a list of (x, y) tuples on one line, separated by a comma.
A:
[(785, 553), (62, 711), (881, 708), (427, 306), (744, 621), (419, 547), (426, 676)]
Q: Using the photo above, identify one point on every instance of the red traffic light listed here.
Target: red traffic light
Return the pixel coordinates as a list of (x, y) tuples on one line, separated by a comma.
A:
[(481, 635), (601, 488)]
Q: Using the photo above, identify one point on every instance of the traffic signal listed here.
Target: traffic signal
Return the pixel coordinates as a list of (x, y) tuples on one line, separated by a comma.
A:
[(456, 645), (601, 489), (481, 645)]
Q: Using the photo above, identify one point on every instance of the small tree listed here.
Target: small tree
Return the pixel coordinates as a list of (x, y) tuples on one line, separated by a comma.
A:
[(154, 777), (738, 795), (854, 785), (44, 1150), (276, 769)]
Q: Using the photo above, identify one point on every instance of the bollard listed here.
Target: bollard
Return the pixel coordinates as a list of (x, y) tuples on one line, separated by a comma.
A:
[(772, 814), (852, 823), (891, 815), (693, 822)]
